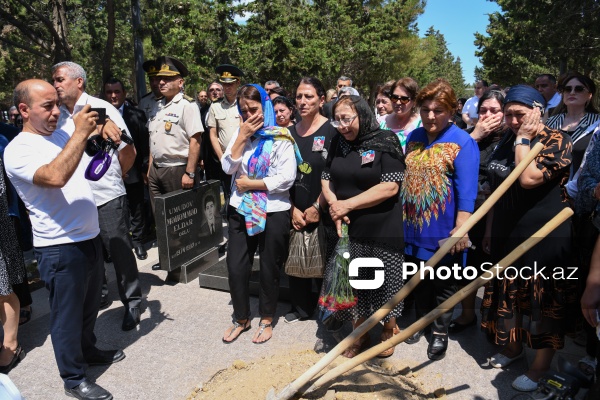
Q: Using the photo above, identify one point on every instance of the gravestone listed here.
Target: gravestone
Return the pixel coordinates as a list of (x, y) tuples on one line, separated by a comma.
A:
[(189, 229)]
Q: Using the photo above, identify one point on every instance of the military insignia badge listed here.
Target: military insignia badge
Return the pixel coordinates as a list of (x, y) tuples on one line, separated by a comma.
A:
[(168, 126)]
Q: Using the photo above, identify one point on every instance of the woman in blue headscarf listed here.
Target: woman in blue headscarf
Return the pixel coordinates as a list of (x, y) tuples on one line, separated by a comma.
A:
[(525, 309), (262, 159)]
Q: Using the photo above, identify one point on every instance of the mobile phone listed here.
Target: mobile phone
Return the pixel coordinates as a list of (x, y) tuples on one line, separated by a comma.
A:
[(101, 115)]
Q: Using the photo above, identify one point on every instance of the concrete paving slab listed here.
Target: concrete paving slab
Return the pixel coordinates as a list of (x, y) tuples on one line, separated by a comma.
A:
[(178, 346)]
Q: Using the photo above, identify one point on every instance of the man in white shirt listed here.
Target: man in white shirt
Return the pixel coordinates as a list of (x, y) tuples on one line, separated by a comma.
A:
[(43, 163), (546, 85), (109, 191), (469, 111)]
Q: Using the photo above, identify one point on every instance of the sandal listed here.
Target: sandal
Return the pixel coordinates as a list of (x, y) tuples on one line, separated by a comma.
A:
[(261, 328), (587, 365), (243, 327), (387, 334), (357, 347), (25, 315)]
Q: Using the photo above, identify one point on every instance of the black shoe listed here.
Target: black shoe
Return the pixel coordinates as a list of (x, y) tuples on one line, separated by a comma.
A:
[(89, 391), (455, 327), (131, 318), (156, 267), (19, 355), (415, 337), (437, 347), (140, 252), (104, 357), (222, 249), (104, 303)]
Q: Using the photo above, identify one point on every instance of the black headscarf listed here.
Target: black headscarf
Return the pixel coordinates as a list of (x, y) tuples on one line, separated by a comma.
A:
[(370, 135)]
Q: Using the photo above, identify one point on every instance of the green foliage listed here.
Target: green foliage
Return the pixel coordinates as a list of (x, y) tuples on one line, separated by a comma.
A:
[(543, 36), (438, 62), (370, 41)]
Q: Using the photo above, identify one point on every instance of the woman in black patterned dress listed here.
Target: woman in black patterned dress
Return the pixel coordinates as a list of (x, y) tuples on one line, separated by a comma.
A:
[(360, 183), (529, 310), (12, 271)]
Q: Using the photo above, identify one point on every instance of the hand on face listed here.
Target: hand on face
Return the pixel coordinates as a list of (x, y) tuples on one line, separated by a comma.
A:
[(531, 124), (489, 123), (251, 125)]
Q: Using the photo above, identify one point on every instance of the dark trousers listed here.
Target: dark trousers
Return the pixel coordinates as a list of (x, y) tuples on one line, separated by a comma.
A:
[(430, 293), (73, 276), (164, 180), (226, 181), (272, 249), (22, 292), (114, 231), (137, 212), (303, 299)]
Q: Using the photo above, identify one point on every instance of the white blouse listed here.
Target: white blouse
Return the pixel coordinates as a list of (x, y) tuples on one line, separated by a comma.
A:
[(280, 176)]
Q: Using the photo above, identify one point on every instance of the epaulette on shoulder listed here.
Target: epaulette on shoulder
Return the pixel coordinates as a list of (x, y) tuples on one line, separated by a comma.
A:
[(188, 98)]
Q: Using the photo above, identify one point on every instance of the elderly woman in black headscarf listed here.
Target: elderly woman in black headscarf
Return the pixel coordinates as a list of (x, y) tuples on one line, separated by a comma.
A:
[(360, 183), (523, 308)]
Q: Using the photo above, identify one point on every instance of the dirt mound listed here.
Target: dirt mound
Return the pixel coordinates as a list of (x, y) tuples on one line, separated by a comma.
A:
[(377, 379)]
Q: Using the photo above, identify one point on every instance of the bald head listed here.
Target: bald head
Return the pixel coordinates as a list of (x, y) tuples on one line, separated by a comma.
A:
[(22, 93), (37, 102)]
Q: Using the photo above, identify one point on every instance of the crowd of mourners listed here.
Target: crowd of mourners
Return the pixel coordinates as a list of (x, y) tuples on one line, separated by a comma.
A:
[(389, 178)]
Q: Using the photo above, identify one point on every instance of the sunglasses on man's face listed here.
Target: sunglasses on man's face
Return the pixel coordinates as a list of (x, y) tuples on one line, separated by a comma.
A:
[(403, 99), (576, 88)]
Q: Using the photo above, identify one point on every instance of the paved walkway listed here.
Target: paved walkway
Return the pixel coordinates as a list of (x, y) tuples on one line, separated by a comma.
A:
[(178, 346)]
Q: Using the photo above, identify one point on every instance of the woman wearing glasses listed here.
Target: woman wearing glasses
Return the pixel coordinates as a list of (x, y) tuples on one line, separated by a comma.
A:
[(486, 133), (438, 194), (577, 116), (404, 118), (360, 184)]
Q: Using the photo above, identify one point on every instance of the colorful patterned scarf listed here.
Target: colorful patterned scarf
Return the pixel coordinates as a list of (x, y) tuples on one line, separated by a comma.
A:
[(254, 202)]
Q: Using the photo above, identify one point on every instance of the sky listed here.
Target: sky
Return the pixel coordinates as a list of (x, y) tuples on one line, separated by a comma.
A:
[(458, 20)]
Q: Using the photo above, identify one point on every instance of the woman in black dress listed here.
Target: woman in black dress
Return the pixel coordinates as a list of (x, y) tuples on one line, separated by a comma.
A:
[(12, 271), (360, 183), (528, 309), (313, 136)]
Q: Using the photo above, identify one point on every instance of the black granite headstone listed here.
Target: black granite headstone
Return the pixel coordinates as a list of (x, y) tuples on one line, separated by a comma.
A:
[(188, 224)]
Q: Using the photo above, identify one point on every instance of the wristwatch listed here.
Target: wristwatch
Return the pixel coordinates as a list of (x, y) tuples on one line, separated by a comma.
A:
[(190, 174), (522, 141), (317, 205)]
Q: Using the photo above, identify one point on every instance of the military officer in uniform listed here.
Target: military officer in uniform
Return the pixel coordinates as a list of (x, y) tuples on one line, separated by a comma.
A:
[(175, 132), (224, 118), (148, 102)]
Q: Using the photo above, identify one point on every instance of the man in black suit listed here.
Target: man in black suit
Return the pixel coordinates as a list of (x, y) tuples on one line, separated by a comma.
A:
[(135, 119)]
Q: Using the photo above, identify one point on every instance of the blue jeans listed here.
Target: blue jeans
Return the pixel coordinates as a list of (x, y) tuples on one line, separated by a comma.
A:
[(73, 276)]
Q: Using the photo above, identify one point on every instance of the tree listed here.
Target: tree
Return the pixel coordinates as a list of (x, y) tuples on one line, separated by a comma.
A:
[(531, 37), (439, 63)]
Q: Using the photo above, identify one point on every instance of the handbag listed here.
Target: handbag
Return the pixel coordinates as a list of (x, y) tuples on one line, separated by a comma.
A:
[(306, 256)]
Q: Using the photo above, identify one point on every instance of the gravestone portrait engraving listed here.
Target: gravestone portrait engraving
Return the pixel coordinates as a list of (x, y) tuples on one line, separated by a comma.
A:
[(188, 224)]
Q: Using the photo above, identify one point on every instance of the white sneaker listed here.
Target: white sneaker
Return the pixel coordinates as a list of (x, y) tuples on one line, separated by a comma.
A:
[(524, 384)]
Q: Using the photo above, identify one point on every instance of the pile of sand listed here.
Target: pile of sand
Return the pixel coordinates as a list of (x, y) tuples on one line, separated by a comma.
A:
[(377, 379)]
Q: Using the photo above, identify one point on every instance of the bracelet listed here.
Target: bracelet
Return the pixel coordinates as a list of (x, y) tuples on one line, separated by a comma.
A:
[(317, 206)]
